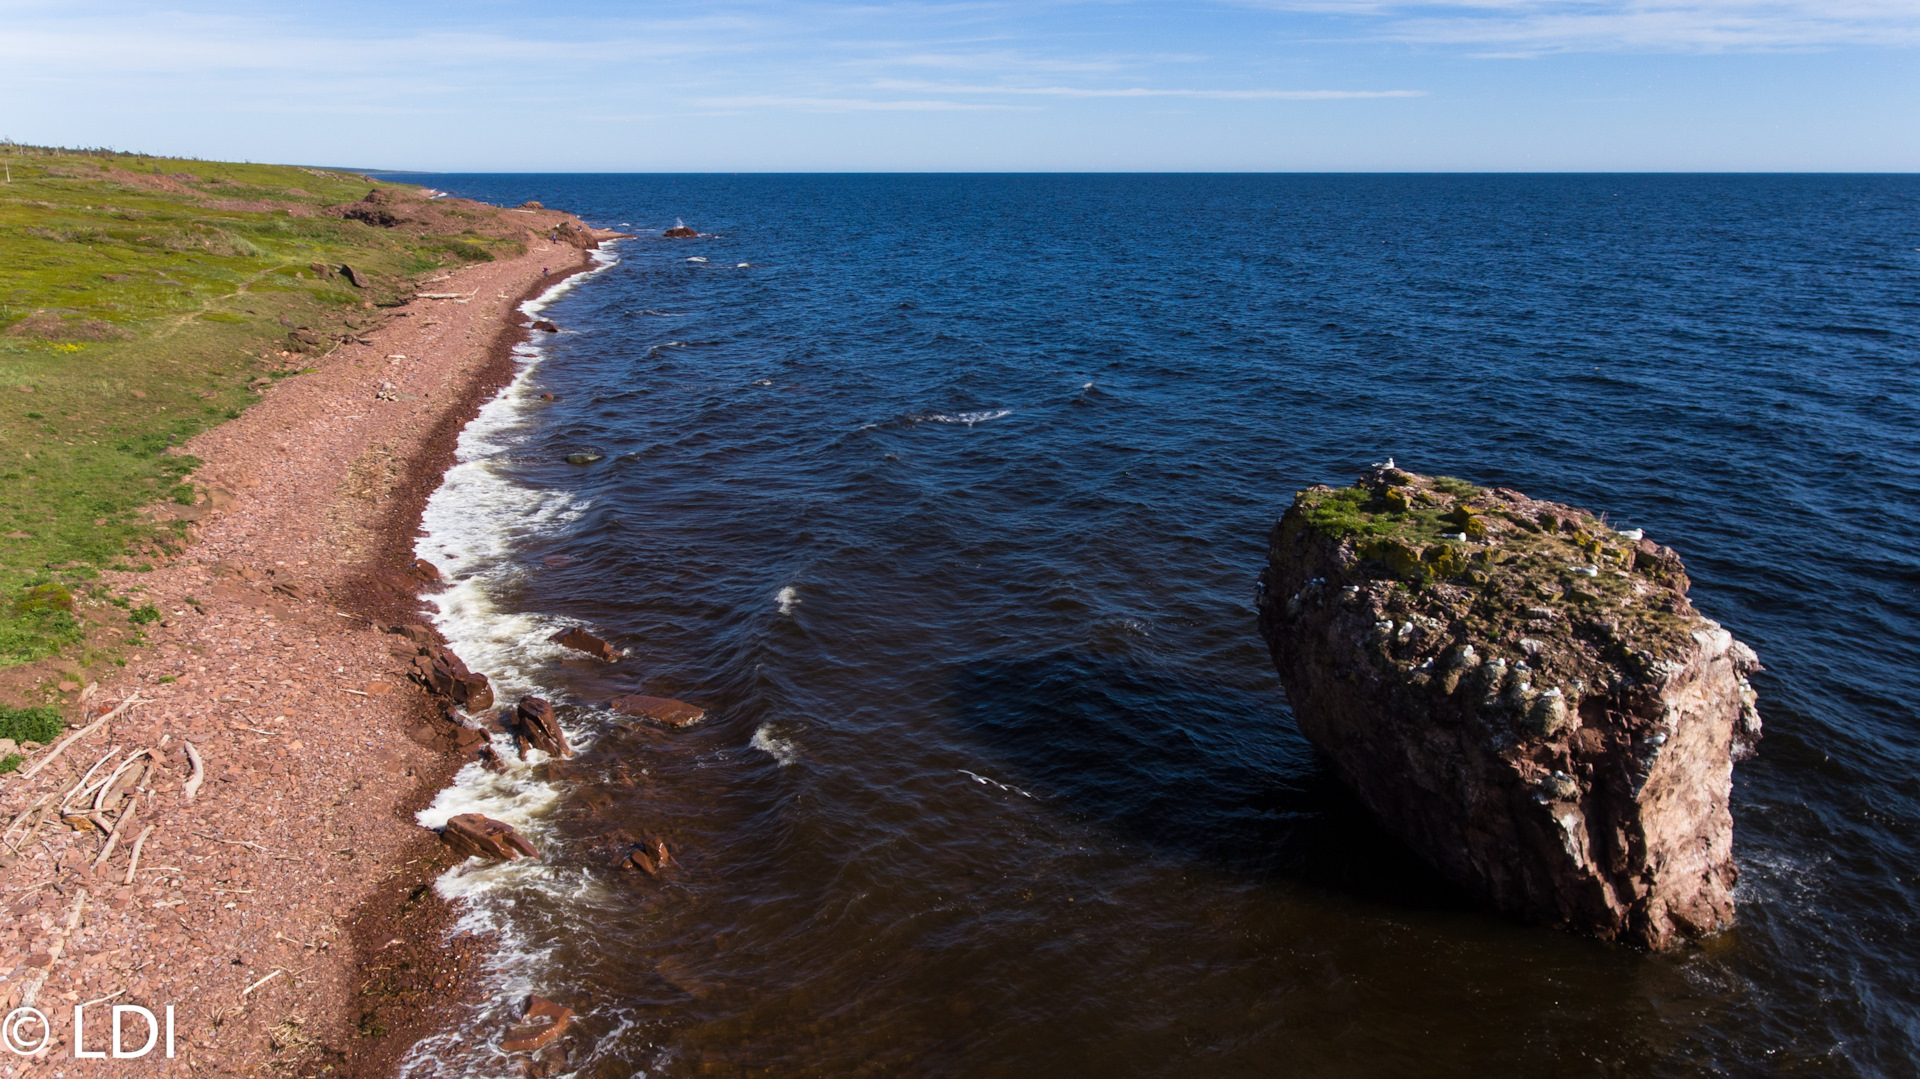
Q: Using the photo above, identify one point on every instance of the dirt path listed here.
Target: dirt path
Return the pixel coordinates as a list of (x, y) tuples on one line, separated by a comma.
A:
[(283, 912)]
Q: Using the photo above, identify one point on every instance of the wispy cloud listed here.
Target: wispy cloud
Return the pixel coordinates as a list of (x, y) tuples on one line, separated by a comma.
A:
[(1147, 91), (843, 104), (1544, 26)]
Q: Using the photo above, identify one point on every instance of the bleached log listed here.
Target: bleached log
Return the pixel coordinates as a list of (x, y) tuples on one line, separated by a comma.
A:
[(192, 786), (34, 769)]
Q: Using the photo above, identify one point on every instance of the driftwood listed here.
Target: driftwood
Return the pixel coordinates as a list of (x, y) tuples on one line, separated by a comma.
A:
[(192, 786), (107, 788), (133, 861), (106, 849), (84, 787), (24, 814), (30, 989), (132, 699)]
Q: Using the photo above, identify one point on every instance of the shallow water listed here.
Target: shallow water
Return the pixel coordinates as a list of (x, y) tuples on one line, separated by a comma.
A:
[(948, 506)]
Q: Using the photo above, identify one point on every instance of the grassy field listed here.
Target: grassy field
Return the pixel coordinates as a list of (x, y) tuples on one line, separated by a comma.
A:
[(139, 299)]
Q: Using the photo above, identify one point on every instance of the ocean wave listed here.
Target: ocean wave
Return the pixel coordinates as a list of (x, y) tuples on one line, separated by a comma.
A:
[(480, 514), (967, 418), (964, 419), (1008, 787), (780, 749), (787, 598)]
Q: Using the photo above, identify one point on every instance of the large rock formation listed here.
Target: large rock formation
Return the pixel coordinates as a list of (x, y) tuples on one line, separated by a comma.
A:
[(445, 673), (1521, 693)]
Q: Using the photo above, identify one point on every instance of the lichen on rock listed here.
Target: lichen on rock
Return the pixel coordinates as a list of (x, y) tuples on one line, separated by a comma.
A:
[(1522, 693)]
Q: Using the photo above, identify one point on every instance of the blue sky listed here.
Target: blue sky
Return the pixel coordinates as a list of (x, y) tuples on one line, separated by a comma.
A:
[(1270, 85)]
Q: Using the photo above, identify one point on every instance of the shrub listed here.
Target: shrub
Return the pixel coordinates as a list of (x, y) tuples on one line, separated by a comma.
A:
[(43, 598), (41, 725)]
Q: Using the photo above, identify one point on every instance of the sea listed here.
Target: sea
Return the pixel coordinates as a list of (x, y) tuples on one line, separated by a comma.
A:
[(945, 496)]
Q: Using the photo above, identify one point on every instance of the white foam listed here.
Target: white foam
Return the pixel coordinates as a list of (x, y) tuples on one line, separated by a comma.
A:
[(780, 749), (969, 418), (786, 598), (978, 778), (482, 513)]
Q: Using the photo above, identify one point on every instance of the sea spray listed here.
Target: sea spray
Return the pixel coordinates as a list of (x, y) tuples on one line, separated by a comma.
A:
[(485, 517)]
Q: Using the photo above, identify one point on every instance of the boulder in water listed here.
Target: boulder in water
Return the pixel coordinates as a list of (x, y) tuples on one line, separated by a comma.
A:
[(1521, 693), (535, 727), (472, 835), (680, 232), (581, 641)]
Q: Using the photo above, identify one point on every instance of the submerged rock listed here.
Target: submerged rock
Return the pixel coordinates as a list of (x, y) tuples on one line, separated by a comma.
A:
[(540, 1027), (1521, 693), (662, 710)]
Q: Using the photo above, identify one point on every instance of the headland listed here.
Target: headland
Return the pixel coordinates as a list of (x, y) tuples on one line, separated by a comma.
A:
[(228, 644)]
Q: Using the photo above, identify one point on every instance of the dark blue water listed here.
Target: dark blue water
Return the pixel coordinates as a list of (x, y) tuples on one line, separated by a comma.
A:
[(1002, 784)]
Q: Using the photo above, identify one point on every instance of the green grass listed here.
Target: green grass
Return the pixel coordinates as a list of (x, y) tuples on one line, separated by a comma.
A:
[(41, 725), (138, 297)]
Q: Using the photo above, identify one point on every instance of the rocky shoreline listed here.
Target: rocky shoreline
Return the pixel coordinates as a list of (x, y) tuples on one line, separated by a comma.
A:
[(1522, 693), (282, 901)]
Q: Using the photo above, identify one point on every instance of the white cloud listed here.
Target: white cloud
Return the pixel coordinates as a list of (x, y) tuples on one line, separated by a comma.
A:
[(1542, 26)]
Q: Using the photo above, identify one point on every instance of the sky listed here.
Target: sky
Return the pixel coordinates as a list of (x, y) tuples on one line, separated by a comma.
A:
[(976, 85)]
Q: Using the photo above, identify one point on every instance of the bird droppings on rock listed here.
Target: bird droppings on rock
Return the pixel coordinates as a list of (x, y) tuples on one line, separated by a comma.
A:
[(1559, 741)]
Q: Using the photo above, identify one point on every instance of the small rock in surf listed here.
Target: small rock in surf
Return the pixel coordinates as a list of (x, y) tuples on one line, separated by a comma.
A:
[(472, 835), (581, 641)]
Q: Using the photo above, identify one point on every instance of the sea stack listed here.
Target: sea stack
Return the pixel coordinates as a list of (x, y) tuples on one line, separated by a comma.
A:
[(1521, 693)]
